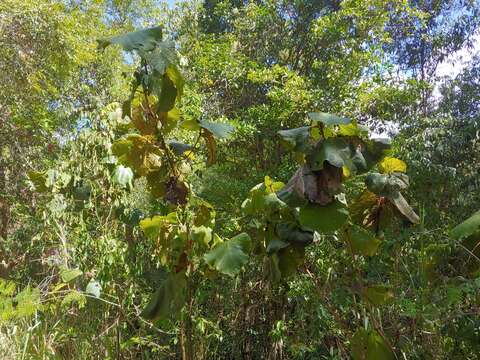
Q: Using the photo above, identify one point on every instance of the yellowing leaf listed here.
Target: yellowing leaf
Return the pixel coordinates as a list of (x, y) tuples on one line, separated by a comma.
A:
[(390, 164)]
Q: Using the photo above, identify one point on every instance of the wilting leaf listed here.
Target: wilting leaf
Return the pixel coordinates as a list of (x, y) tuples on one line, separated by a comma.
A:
[(157, 182), (204, 213), (390, 165), (68, 275), (176, 191), (369, 345), (402, 205), (328, 119), (361, 207), (317, 187), (229, 257), (145, 40), (361, 241), (138, 152), (123, 176), (296, 139), (169, 298), (220, 130), (378, 294), (323, 219), (211, 147)]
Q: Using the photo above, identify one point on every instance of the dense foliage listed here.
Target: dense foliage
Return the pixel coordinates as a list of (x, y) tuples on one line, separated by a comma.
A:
[(226, 179)]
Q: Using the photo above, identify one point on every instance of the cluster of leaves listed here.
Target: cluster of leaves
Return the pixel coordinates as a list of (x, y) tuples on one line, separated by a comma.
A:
[(184, 234), (312, 205)]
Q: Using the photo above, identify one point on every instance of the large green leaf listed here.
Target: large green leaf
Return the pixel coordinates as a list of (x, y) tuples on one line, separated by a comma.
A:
[(377, 183), (328, 119), (145, 40), (220, 130), (469, 227), (334, 150), (369, 345), (262, 201), (323, 219), (297, 139), (168, 299), (229, 257), (166, 95), (361, 241), (162, 57), (292, 233)]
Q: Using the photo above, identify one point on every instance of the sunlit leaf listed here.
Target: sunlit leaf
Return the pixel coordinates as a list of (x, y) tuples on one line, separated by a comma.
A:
[(328, 119), (145, 40), (154, 225), (68, 275), (296, 139), (390, 165), (38, 180), (220, 130)]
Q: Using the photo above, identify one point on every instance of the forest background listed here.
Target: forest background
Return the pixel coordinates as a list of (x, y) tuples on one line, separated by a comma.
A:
[(94, 266)]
